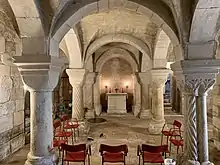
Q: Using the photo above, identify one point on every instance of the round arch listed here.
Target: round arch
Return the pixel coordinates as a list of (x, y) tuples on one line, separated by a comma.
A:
[(113, 53), (94, 46), (205, 24), (69, 15)]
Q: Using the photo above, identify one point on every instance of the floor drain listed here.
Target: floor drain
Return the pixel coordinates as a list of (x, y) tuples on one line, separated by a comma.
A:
[(97, 120)]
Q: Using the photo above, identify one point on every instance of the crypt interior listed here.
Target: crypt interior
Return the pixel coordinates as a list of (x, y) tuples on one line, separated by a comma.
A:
[(109, 72)]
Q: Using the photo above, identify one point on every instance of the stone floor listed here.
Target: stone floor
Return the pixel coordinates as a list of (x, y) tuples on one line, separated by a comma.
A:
[(124, 129)]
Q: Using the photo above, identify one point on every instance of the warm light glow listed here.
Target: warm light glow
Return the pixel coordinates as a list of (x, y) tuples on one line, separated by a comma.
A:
[(126, 84)]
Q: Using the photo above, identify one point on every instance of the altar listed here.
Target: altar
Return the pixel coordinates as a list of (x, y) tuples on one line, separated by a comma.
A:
[(116, 102)]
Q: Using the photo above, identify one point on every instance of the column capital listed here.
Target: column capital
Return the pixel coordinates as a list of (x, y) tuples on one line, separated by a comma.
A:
[(196, 76), (144, 77), (159, 76), (39, 73), (76, 76), (90, 78)]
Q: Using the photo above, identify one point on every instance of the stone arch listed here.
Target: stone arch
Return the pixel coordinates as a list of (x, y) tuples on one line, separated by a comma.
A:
[(204, 30), (140, 45), (70, 14), (31, 27), (161, 49), (74, 49), (113, 53), (28, 18), (205, 23)]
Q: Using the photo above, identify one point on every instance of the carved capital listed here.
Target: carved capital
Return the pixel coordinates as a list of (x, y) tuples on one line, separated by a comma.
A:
[(76, 76), (145, 77), (159, 77), (42, 75)]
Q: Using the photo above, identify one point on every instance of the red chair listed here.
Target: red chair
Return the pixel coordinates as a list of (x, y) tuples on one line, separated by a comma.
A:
[(68, 124), (113, 154), (151, 154), (57, 143), (59, 133), (177, 141), (75, 153), (174, 131)]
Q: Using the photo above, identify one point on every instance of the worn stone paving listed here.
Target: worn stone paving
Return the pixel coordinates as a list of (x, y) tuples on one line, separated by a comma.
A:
[(125, 129)]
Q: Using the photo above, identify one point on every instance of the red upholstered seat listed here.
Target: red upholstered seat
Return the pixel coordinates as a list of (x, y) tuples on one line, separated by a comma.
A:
[(113, 154), (113, 157), (63, 134), (176, 142), (75, 153), (151, 154), (75, 156), (153, 157)]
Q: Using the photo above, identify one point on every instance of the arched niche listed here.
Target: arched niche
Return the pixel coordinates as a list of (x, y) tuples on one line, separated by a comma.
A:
[(116, 77)]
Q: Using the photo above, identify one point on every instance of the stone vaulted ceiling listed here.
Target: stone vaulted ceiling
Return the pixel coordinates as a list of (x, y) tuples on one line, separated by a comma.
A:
[(114, 22)]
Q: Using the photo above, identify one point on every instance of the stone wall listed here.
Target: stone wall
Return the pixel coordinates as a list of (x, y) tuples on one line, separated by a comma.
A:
[(11, 111)]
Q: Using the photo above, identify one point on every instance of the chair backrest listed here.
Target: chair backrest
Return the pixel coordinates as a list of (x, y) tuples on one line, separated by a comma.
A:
[(177, 124), (73, 148), (154, 149), (113, 149)]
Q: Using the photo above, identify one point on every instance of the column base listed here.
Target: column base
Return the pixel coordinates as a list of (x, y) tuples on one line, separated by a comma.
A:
[(155, 127), (90, 114), (34, 160), (145, 114), (84, 127), (182, 160), (136, 110), (98, 110)]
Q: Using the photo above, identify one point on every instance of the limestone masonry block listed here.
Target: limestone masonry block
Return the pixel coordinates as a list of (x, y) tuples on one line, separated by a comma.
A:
[(7, 108), (19, 105), (217, 144), (5, 95), (18, 118), (216, 111), (5, 70), (5, 150), (216, 122), (216, 100), (30, 26), (6, 123), (17, 143), (2, 44)]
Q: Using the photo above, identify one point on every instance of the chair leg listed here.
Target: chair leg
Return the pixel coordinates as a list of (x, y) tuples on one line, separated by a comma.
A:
[(74, 134), (177, 149), (167, 140), (161, 142), (78, 131), (88, 160), (170, 149)]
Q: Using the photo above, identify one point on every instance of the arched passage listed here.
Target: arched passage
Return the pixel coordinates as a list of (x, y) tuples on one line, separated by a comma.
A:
[(69, 15), (141, 46)]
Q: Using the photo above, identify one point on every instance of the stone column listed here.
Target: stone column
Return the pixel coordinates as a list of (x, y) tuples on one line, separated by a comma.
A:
[(205, 85), (195, 78), (158, 79), (145, 106), (88, 94), (96, 90), (40, 83), (137, 97), (76, 77)]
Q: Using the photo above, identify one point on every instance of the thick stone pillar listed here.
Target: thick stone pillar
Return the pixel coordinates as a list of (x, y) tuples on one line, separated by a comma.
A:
[(96, 90), (158, 79), (40, 83), (137, 97), (76, 77), (88, 95), (145, 106)]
